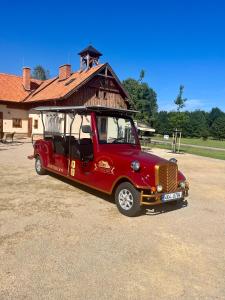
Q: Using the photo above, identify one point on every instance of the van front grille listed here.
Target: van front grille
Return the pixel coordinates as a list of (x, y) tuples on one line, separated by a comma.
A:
[(166, 175)]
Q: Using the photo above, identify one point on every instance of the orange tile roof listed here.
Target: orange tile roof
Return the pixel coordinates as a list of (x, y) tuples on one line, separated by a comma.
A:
[(11, 87), (54, 89)]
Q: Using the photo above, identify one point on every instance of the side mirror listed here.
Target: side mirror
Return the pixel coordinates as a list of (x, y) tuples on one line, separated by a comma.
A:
[(86, 129)]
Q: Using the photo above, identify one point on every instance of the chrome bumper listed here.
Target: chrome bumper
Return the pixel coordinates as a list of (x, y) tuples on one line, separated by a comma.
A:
[(155, 199)]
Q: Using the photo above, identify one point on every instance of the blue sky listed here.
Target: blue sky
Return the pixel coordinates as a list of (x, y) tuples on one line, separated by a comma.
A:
[(175, 42)]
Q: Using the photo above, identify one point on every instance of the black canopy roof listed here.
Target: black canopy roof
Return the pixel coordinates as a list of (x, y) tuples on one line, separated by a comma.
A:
[(91, 50), (80, 109)]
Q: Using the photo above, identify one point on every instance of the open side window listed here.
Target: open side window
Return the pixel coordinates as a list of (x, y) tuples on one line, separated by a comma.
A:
[(80, 145), (71, 135)]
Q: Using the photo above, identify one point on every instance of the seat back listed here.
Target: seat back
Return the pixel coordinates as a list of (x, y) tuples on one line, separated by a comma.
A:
[(59, 146), (74, 147), (86, 149)]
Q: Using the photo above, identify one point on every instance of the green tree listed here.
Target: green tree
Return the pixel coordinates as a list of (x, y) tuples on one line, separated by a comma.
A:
[(162, 123), (142, 75), (40, 73), (218, 127), (178, 120), (144, 99), (198, 126), (214, 114), (180, 101)]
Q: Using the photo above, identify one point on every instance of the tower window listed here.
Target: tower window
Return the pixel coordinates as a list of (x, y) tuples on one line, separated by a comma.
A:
[(104, 95)]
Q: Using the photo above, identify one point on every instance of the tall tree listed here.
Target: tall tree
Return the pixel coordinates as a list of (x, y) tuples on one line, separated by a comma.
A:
[(142, 75), (180, 101), (40, 73), (144, 99), (218, 127), (178, 120), (162, 123), (214, 114), (197, 126)]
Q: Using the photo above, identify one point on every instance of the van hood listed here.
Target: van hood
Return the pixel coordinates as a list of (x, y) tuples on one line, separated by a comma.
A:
[(143, 157), (147, 160)]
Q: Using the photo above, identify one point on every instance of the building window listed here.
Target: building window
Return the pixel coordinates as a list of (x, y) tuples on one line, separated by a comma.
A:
[(104, 95), (35, 124), (17, 123), (103, 125), (102, 129), (97, 94)]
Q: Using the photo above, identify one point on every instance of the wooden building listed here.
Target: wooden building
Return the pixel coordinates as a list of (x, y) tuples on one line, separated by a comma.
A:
[(92, 84)]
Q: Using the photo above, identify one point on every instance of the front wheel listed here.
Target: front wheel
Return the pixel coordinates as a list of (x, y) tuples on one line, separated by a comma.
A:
[(127, 199), (38, 166)]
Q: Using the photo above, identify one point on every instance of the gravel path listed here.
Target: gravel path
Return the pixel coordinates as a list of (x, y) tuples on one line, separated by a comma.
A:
[(61, 241)]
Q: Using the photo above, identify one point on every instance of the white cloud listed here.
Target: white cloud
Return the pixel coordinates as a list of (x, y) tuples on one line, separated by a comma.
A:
[(192, 104), (167, 107)]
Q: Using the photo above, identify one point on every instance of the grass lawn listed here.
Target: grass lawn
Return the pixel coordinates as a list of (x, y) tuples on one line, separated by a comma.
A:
[(196, 151), (196, 141)]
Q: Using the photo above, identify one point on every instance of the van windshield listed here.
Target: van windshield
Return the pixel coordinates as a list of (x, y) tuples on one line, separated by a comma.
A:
[(115, 130)]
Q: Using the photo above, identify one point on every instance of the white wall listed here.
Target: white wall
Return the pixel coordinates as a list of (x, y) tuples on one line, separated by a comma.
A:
[(36, 116), (76, 125), (9, 114)]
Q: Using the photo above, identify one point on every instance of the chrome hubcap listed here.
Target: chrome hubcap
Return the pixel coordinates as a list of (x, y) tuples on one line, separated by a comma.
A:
[(126, 199), (38, 165)]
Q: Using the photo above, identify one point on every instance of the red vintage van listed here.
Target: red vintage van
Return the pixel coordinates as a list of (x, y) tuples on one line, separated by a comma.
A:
[(99, 147)]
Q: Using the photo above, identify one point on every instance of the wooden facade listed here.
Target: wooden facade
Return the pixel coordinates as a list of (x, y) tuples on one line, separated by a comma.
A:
[(94, 94), (102, 89)]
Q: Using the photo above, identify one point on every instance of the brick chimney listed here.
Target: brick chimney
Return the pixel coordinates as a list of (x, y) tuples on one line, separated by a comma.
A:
[(26, 78), (64, 72)]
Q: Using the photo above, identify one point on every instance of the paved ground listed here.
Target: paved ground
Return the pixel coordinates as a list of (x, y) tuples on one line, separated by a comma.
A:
[(58, 241)]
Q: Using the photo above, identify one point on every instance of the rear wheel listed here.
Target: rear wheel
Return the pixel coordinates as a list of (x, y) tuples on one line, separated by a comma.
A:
[(127, 199), (38, 166)]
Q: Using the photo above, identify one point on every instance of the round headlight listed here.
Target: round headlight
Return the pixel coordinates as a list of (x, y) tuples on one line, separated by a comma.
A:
[(182, 184), (173, 160), (159, 188), (135, 165)]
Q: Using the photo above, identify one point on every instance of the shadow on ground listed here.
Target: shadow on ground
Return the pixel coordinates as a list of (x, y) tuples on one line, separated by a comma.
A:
[(166, 207), (108, 198), (153, 210)]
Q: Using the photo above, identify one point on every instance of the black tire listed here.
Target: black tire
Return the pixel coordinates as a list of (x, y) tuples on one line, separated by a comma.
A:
[(127, 199), (38, 166)]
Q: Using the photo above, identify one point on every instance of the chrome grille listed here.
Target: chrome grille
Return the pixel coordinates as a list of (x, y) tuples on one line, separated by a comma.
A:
[(166, 175)]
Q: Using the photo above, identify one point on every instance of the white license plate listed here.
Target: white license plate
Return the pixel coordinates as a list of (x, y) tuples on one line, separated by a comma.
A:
[(171, 196)]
